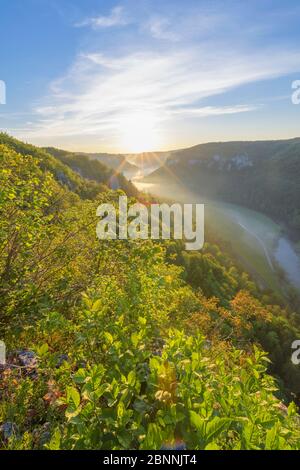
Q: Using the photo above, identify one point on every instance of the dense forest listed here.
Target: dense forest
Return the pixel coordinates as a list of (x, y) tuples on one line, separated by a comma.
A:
[(129, 344), (261, 175)]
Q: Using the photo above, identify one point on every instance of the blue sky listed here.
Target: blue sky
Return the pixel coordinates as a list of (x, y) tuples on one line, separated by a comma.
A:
[(140, 75)]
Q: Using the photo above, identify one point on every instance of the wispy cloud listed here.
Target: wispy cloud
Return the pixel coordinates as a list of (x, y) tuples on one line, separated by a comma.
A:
[(161, 67), (161, 74), (102, 94), (160, 28), (207, 111), (116, 17)]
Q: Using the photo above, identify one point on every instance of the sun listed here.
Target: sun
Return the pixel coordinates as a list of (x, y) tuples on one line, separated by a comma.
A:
[(139, 133)]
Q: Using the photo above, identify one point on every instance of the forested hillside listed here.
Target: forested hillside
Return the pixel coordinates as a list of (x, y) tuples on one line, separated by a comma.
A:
[(129, 344), (114, 162), (67, 167), (260, 175), (94, 170)]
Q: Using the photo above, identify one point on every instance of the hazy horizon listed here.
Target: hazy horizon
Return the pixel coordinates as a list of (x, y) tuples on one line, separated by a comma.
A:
[(100, 151)]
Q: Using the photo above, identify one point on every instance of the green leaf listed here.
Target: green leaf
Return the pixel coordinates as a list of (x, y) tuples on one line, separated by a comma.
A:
[(154, 363), (120, 410), (42, 350), (131, 379), (212, 446), (109, 338), (80, 376), (96, 305), (215, 427), (135, 339), (54, 443), (247, 433), (271, 438), (73, 396), (197, 422)]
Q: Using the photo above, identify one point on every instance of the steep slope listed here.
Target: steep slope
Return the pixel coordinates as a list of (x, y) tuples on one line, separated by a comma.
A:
[(117, 162), (106, 342), (84, 177), (63, 174), (94, 170)]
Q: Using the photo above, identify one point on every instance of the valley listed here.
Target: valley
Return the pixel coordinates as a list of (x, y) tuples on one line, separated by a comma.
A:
[(100, 329), (251, 193), (260, 243)]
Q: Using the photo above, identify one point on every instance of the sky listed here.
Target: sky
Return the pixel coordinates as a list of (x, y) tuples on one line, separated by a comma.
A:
[(148, 75)]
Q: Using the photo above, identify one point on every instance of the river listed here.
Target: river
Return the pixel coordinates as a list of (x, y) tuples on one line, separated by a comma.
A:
[(259, 242)]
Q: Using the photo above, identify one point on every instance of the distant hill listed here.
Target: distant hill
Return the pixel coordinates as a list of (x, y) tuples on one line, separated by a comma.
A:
[(149, 159), (262, 175), (117, 162), (130, 164)]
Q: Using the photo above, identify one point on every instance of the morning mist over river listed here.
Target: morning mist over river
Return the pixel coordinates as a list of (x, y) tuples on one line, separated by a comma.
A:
[(260, 243)]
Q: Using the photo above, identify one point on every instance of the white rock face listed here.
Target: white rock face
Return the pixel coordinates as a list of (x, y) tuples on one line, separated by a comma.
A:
[(217, 162), (172, 161), (241, 161)]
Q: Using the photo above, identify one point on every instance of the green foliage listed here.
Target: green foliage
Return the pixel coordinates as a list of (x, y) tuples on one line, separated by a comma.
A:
[(128, 396), (94, 170), (136, 344)]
